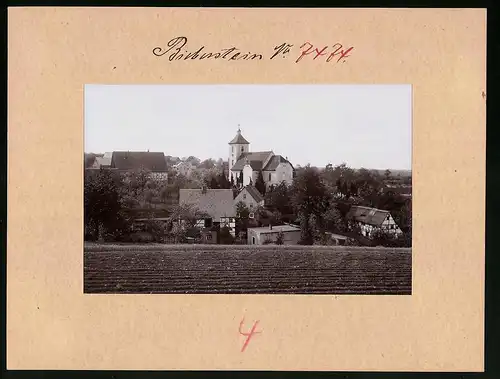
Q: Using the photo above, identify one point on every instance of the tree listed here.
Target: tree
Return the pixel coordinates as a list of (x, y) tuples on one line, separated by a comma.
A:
[(102, 206), (279, 198), (207, 163), (280, 238), (193, 160), (232, 181), (242, 214), (387, 174), (187, 214), (242, 210), (222, 181), (333, 219), (225, 236), (260, 184), (310, 198), (89, 160)]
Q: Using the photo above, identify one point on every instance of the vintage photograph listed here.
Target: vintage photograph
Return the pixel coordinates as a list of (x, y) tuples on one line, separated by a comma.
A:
[(248, 189)]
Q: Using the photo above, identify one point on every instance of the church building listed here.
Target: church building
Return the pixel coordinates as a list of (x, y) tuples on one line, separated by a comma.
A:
[(275, 168)]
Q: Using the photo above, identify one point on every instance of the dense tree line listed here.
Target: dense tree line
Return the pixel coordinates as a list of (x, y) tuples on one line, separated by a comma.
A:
[(320, 200)]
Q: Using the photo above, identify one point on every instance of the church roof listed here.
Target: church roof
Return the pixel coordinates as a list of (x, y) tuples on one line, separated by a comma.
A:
[(239, 139), (274, 162), (255, 159)]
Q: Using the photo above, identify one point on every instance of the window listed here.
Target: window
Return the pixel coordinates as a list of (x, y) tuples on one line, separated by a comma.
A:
[(233, 149), (232, 162), (269, 176), (209, 237), (208, 223), (244, 196), (231, 219), (253, 240), (251, 215)]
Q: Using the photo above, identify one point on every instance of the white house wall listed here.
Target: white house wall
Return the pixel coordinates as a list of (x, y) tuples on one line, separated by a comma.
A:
[(248, 174), (283, 172), (289, 237)]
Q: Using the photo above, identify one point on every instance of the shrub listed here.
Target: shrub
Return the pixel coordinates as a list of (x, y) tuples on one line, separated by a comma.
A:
[(280, 238)]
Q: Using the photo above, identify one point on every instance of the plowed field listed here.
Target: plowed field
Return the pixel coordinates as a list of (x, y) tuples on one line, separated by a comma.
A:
[(246, 269)]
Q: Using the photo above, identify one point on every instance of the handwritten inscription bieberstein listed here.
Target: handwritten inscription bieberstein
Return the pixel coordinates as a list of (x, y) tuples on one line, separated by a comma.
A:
[(176, 50)]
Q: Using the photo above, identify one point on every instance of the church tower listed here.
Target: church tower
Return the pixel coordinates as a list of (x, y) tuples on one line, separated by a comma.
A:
[(237, 146)]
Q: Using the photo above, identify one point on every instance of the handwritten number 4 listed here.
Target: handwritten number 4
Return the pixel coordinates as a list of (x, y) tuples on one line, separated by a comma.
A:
[(249, 334)]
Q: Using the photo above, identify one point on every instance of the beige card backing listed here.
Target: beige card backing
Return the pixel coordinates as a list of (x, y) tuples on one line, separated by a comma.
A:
[(51, 324)]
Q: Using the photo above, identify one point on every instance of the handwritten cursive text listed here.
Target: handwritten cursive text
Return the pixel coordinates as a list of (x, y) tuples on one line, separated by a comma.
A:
[(177, 50)]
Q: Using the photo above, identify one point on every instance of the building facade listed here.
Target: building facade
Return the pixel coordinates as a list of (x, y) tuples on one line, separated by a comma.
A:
[(268, 235), (370, 220)]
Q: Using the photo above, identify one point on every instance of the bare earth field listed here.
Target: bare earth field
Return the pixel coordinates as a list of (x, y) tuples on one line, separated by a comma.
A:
[(204, 269)]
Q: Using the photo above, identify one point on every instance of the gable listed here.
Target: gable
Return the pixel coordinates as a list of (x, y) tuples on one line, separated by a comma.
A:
[(252, 192)]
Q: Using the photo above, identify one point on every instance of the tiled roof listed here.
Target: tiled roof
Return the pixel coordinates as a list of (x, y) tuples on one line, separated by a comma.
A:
[(254, 192), (256, 160), (366, 215), (133, 160), (274, 162), (239, 139), (216, 202)]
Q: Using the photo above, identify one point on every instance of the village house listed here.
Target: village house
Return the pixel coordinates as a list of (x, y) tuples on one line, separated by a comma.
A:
[(184, 168), (102, 162), (216, 203), (275, 168), (126, 161), (251, 197), (265, 235), (371, 219)]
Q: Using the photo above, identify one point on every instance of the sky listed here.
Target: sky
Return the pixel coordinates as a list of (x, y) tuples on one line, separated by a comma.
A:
[(361, 125)]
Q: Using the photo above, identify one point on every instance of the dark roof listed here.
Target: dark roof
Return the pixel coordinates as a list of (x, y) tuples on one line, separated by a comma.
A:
[(274, 162), (254, 192), (366, 215), (256, 160), (133, 160), (216, 202), (239, 139)]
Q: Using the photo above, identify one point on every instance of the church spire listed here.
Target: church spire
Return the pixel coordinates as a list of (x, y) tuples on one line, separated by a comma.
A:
[(239, 139)]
